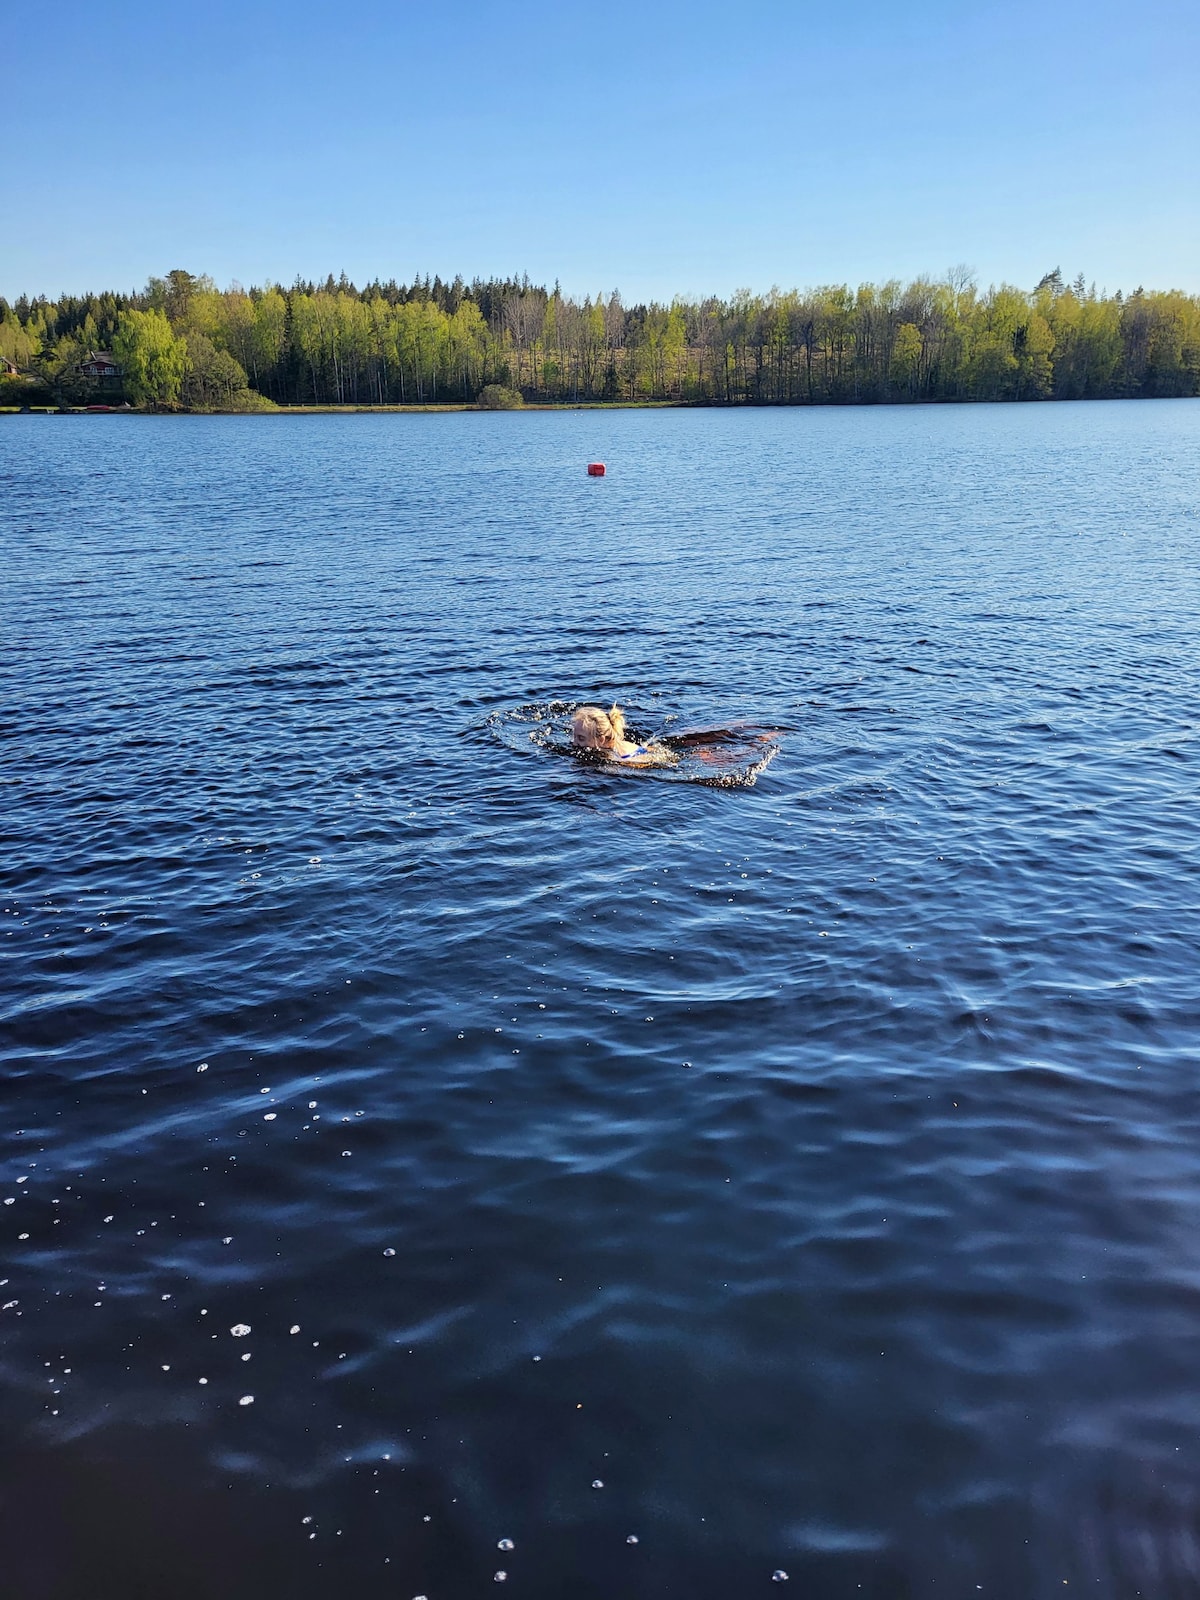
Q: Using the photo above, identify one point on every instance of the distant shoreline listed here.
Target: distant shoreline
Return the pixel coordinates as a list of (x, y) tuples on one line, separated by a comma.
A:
[(338, 410), (183, 344), (536, 407), (469, 405)]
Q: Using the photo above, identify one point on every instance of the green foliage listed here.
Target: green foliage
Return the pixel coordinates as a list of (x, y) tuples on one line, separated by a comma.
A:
[(211, 377), (183, 342), (24, 392), (496, 397), (153, 360), (244, 400), (907, 350), (19, 343)]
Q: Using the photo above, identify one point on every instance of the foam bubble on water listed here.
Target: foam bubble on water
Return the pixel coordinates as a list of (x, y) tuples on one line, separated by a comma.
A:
[(505, 1544), (389, 1251), (597, 1483), (295, 1328), (631, 1538), (203, 1067), (779, 1576), (240, 1330), (270, 1116), (246, 1400), (500, 1577)]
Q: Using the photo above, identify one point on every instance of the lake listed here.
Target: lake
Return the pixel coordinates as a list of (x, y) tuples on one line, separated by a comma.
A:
[(429, 1161)]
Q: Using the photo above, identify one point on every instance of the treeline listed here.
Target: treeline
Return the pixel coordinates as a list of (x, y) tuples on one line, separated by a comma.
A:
[(181, 342)]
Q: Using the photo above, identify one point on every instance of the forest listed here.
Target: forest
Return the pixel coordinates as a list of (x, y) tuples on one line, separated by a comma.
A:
[(183, 344)]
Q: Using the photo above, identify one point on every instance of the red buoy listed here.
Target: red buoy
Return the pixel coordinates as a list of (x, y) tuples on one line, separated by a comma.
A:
[(595, 469)]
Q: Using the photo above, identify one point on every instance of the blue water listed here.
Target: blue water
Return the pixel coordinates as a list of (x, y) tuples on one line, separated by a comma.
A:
[(812, 1164)]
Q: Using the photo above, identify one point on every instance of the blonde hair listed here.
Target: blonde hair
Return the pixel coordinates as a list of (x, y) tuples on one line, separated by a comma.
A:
[(594, 729)]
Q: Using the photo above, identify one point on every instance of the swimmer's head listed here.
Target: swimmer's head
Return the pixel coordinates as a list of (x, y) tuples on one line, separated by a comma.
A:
[(593, 729)]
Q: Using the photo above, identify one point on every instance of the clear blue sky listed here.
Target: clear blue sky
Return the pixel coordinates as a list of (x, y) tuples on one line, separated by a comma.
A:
[(657, 147)]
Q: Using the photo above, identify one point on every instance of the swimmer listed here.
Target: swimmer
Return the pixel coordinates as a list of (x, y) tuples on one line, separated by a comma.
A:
[(604, 731)]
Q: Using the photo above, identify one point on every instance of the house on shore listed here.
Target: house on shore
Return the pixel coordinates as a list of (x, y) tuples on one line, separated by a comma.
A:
[(99, 367), (8, 369)]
